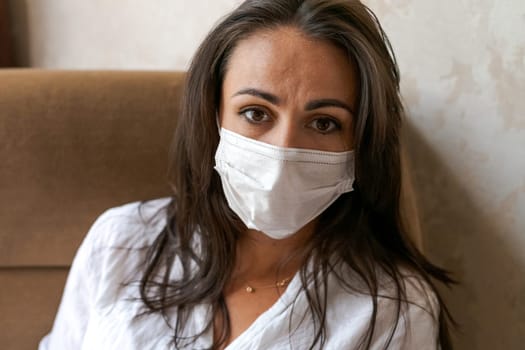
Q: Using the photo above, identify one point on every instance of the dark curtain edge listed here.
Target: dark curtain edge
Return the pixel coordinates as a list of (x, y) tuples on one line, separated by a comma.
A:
[(6, 44)]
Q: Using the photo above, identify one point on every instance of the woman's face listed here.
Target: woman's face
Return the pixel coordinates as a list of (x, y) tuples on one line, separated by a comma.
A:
[(287, 90)]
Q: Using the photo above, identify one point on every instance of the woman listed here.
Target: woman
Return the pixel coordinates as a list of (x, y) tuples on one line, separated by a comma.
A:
[(284, 230)]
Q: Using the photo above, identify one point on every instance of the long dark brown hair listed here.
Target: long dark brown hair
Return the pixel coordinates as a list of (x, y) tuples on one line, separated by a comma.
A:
[(362, 230)]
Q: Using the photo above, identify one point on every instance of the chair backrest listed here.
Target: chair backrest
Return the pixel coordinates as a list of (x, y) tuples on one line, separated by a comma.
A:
[(72, 144)]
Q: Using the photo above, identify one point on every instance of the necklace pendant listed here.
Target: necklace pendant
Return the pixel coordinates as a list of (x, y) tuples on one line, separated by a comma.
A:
[(249, 289)]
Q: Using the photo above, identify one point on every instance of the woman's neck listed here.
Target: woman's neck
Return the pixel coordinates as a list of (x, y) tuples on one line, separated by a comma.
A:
[(261, 259)]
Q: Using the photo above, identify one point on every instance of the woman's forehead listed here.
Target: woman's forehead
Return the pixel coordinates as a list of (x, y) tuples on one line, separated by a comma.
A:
[(285, 61)]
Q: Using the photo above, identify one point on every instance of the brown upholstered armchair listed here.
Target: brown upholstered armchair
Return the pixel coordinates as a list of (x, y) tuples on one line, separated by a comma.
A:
[(72, 144)]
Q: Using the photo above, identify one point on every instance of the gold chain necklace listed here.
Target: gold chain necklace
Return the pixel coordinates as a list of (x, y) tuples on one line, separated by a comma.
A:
[(279, 284)]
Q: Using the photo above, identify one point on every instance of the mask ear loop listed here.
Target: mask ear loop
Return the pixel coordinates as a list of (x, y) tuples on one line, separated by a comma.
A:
[(216, 175), (218, 123)]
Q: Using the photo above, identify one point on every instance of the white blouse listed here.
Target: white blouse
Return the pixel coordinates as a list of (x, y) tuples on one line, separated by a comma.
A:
[(99, 306)]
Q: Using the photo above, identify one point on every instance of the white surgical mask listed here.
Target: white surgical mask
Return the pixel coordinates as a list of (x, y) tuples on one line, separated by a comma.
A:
[(278, 190)]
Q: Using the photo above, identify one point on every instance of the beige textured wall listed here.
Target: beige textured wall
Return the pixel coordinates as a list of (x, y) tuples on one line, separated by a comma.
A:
[(125, 34), (463, 66)]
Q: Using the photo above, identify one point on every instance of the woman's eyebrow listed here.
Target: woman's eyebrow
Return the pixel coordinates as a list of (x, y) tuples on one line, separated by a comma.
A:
[(259, 93), (328, 102), (315, 104)]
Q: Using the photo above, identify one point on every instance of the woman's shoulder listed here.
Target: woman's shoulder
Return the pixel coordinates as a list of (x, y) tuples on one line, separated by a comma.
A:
[(413, 290), (406, 309), (416, 321), (407, 285), (131, 225), (116, 245), (101, 287)]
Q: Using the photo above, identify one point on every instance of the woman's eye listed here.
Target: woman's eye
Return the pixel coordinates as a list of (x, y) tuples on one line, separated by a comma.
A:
[(254, 115), (324, 125)]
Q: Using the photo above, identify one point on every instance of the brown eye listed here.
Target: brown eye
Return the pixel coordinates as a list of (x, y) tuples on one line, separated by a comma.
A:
[(255, 115), (324, 125)]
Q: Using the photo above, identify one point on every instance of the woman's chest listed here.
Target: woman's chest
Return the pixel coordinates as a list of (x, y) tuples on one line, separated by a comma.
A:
[(244, 308)]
